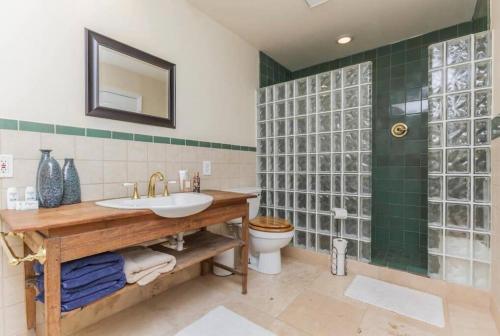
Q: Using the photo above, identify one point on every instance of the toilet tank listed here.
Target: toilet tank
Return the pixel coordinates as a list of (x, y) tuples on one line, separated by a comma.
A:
[(253, 203)]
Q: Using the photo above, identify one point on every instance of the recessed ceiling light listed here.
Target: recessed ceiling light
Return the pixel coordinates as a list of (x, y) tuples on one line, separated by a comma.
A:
[(314, 3), (344, 39)]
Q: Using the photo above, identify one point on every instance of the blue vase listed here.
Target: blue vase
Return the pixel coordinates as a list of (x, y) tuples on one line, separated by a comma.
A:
[(71, 183), (49, 181)]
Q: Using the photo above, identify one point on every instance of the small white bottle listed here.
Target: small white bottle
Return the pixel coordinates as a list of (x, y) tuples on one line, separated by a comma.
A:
[(29, 194), (12, 198)]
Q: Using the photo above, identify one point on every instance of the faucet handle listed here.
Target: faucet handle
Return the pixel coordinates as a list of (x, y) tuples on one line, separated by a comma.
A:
[(165, 190), (135, 195)]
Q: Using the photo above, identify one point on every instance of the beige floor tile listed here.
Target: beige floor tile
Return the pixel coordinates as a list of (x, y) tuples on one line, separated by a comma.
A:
[(470, 320), (335, 286), (304, 300), (319, 315), (137, 320), (380, 322)]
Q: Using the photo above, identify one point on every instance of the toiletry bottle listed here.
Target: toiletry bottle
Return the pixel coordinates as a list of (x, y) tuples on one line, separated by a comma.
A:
[(12, 198), (30, 194), (183, 177)]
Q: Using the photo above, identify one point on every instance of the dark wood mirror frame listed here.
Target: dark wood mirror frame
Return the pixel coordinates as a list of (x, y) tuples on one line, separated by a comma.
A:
[(92, 42)]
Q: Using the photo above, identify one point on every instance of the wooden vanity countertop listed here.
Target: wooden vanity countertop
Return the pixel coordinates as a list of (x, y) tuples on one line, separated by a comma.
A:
[(89, 212)]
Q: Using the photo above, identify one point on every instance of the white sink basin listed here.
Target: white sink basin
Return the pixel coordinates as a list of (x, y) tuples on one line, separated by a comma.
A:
[(173, 206)]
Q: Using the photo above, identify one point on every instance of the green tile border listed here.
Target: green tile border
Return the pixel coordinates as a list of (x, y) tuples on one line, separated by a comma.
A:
[(175, 141), (98, 133), (70, 130), (9, 124), (143, 137), (122, 136), (31, 126), (160, 139)]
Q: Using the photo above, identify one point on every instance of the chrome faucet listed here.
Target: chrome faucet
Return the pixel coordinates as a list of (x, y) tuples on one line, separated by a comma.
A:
[(152, 183)]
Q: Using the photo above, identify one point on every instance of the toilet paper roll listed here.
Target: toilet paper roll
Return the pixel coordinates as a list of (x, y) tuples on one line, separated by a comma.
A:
[(339, 213)]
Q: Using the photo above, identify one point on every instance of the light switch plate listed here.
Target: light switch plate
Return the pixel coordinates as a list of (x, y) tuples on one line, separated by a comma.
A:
[(6, 165), (207, 168)]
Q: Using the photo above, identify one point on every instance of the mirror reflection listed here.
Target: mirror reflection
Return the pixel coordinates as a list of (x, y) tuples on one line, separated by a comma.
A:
[(129, 84)]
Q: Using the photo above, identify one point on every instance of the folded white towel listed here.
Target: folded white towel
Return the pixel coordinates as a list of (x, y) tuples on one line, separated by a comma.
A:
[(143, 265)]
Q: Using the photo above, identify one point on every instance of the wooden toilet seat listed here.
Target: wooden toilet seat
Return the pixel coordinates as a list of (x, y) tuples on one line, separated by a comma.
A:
[(270, 224)]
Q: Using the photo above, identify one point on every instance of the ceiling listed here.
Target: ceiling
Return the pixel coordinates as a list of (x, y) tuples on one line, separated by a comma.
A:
[(298, 36)]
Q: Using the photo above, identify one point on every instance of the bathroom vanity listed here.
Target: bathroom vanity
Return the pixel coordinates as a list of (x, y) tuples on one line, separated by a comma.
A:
[(79, 230)]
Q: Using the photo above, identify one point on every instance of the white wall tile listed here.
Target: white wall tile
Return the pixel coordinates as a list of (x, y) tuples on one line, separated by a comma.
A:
[(115, 150), (23, 145), (87, 148), (137, 172), (92, 192), (115, 171), (137, 151), (156, 152), (63, 146), (90, 172)]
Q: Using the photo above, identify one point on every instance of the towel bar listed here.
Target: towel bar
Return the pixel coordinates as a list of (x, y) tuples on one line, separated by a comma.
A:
[(15, 260)]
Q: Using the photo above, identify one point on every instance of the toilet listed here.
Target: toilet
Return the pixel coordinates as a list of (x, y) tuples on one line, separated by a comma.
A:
[(267, 236)]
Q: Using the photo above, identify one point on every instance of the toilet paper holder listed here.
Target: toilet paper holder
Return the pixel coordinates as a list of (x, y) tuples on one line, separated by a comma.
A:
[(338, 257)]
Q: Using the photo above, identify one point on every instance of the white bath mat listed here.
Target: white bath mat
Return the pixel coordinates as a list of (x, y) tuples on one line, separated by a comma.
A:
[(223, 322), (408, 302)]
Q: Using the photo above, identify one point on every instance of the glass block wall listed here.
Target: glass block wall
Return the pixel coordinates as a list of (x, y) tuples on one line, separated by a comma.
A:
[(459, 209), (314, 153)]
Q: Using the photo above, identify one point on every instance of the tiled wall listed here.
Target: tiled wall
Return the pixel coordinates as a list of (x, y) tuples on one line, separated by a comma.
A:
[(314, 153), (460, 108), (271, 72), (103, 165)]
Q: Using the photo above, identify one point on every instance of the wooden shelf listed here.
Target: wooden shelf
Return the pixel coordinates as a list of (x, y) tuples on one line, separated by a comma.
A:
[(198, 247)]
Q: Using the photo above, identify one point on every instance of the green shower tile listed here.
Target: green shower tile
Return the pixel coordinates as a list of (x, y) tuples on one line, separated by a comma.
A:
[(465, 28), (70, 130), (31, 126), (235, 147), (9, 124), (175, 141), (414, 42), (98, 133), (398, 58), (448, 33), (160, 139), (192, 143), (216, 145), (382, 51), (398, 47), (225, 146)]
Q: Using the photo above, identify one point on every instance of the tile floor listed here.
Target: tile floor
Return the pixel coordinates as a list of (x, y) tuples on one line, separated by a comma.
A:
[(303, 300)]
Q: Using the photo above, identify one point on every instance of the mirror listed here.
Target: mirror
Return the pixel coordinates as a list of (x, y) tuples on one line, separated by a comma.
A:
[(124, 83)]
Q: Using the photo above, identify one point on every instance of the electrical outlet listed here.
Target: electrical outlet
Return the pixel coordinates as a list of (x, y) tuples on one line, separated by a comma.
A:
[(6, 165), (207, 168)]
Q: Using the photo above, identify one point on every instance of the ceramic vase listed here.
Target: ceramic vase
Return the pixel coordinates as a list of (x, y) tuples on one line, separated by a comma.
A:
[(71, 183), (49, 181)]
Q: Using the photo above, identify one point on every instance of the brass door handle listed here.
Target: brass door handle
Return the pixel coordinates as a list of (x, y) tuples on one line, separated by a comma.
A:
[(15, 260)]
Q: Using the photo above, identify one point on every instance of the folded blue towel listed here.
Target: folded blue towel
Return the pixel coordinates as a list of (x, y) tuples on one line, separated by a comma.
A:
[(90, 271), (76, 268), (83, 301), (79, 292)]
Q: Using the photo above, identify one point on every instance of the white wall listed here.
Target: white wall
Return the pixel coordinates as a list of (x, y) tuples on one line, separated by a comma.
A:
[(42, 64)]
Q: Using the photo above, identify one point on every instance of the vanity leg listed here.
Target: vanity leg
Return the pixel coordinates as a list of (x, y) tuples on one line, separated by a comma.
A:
[(52, 279), (29, 291), (244, 252)]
